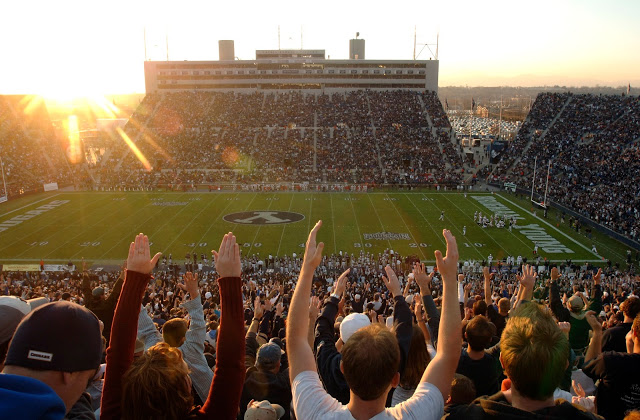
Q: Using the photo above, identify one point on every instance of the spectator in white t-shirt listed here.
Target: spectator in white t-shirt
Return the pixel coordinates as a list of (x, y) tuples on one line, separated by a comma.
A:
[(374, 347)]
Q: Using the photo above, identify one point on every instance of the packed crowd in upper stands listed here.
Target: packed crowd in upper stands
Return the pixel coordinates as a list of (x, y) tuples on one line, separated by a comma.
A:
[(592, 142)]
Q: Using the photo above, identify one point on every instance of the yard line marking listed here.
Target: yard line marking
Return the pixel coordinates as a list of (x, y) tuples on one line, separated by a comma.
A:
[(259, 226), (211, 225), (30, 204), (163, 225), (44, 227), (426, 220), (360, 237), (483, 230), (333, 223), (407, 226), (552, 227), (58, 232), (285, 225), (189, 224), (379, 220)]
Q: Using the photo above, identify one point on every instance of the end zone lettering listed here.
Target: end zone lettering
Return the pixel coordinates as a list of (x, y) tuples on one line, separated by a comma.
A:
[(30, 214)]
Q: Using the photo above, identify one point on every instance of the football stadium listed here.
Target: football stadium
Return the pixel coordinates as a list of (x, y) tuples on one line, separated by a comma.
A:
[(304, 234)]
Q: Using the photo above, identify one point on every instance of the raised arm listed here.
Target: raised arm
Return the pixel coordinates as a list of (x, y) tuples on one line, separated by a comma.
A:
[(197, 327), (558, 309), (112, 300), (123, 331), (596, 293), (595, 347), (441, 369), (527, 281), (147, 331), (433, 316), (401, 315), (300, 354), (228, 377), (86, 286), (314, 309), (487, 285)]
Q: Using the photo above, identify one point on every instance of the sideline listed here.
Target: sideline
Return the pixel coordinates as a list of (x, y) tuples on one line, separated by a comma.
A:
[(554, 228)]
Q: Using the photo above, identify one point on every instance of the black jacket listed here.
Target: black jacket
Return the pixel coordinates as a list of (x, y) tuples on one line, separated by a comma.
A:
[(328, 358), (497, 407)]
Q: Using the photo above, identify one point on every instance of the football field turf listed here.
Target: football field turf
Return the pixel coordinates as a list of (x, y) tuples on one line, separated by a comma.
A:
[(63, 226)]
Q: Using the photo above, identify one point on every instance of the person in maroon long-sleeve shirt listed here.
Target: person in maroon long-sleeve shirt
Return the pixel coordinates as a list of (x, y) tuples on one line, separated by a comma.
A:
[(162, 369)]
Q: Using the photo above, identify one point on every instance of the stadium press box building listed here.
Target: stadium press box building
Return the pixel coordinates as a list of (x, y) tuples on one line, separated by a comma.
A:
[(306, 70)]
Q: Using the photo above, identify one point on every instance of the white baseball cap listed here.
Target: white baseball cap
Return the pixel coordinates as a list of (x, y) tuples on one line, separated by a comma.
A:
[(352, 323)]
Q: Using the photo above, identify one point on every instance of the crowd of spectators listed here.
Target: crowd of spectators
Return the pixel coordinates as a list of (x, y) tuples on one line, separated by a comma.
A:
[(342, 335), (593, 149), (354, 137)]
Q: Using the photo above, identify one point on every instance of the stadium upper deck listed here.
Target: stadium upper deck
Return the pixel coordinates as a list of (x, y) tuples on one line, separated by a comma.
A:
[(291, 69)]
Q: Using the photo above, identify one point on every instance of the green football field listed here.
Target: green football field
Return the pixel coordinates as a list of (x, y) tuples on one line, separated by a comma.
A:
[(63, 226)]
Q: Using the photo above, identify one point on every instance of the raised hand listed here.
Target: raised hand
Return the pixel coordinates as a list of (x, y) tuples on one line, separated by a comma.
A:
[(421, 277), (598, 276), (191, 285), (577, 388), (418, 311), (467, 287), (448, 265), (279, 309), (313, 251), (139, 255), (257, 308), (596, 326), (528, 278), (555, 274), (487, 275), (227, 259), (391, 281), (341, 283), (314, 307), (267, 305)]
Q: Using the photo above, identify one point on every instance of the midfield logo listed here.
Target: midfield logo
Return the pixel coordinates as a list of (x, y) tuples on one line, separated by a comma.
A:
[(263, 217)]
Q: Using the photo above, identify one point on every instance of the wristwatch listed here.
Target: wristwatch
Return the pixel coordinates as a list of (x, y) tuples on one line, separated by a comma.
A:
[(334, 295)]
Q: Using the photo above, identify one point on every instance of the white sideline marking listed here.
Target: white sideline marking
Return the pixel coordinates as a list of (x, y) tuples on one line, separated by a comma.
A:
[(554, 228)]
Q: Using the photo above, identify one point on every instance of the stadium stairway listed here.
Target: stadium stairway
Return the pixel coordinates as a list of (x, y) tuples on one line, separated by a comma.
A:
[(315, 142), (426, 114), (378, 158), (142, 129)]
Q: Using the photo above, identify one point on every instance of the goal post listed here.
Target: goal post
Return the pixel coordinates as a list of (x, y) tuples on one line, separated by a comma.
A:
[(543, 203)]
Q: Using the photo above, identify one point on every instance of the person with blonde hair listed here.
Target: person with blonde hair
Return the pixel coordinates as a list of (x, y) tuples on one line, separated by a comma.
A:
[(157, 385), (534, 356)]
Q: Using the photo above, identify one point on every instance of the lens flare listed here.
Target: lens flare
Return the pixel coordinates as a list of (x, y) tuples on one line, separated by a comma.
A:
[(134, 149), (74, 149)]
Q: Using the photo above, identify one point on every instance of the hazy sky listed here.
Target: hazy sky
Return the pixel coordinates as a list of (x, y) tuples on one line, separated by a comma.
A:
[(66, 48)]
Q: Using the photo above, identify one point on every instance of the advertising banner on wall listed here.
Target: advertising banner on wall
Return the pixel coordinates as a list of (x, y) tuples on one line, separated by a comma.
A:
[(52, 186)]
